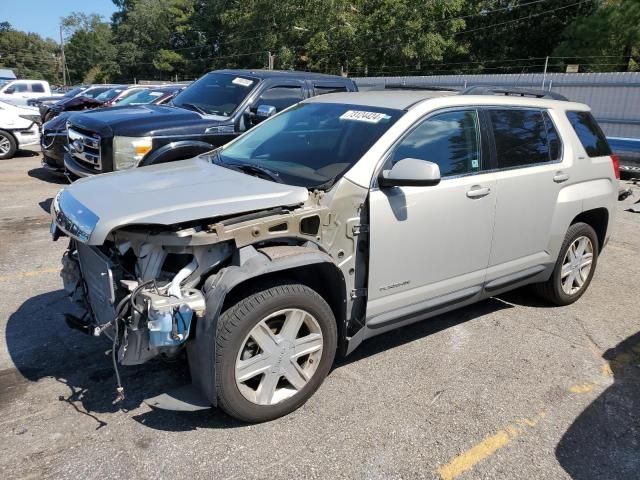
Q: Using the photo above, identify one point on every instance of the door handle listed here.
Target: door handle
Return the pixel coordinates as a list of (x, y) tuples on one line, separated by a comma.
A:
[(478, 192), (561, 177)]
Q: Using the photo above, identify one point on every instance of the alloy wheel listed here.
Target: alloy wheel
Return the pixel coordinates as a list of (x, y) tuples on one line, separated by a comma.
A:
[(5, 145), (279, 356), (576, 265)]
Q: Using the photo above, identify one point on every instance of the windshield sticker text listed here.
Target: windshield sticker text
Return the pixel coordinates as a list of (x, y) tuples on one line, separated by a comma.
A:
[(242, 81), (362, 116)]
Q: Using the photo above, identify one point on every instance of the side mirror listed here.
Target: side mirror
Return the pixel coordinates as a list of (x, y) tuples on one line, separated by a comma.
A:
[(265, 111), (410, 172), (10, 90)]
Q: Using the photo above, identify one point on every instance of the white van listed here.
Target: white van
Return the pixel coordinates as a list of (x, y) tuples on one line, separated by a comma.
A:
[(17, 92)]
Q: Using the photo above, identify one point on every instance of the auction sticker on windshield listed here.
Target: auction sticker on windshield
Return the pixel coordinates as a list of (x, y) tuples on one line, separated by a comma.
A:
[(363, 116), (242, 81)]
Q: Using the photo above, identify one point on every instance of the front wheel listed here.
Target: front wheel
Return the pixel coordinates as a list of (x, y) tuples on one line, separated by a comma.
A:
[(8, 145), (574, 268), (273, 350)]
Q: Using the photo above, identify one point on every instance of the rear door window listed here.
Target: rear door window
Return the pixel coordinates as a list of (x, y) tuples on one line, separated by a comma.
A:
[(450, 139), (37, 88), (590, 134), (520, 137)]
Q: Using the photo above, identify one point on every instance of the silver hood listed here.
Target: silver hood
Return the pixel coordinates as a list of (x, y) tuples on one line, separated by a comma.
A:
[(164, 194)]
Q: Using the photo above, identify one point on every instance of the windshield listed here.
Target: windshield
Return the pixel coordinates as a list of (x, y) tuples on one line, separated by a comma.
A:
[(216, 94), (73, 92), (142, 97), (109, 94), (93, 92), (312, 144)]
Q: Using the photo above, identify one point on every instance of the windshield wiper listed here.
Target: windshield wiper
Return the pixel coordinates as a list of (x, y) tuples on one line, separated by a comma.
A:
[(192, 106), (256, 169), (249, 168)]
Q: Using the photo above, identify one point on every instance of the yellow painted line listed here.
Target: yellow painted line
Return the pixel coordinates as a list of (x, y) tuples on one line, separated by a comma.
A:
[(606, 370), (487, 447), (33, 273), (581, 388)]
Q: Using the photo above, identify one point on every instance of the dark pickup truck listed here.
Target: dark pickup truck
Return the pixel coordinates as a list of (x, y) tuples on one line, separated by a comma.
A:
[(209, 113)]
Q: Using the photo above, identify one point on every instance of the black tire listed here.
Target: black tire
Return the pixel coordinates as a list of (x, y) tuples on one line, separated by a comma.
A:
[(233, 328), (13, 145), (551, 290)]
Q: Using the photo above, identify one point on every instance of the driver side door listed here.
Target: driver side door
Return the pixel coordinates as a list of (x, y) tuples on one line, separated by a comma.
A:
[(430, 246)]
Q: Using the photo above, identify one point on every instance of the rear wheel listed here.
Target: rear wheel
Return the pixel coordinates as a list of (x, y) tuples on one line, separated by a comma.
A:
[(8, 145), (574, 268), (274, 349)]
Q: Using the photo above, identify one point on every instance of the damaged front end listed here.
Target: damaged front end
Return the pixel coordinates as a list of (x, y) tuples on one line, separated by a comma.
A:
[(155, 290), (141, 295)]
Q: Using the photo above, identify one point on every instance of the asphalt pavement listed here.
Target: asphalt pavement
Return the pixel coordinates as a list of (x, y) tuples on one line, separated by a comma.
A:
[(506, 389)]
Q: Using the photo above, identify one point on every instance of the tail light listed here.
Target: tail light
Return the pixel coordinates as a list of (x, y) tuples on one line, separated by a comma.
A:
[(616, 165)]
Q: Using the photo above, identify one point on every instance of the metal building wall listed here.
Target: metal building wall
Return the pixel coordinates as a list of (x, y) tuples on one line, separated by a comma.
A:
[(613, 97)]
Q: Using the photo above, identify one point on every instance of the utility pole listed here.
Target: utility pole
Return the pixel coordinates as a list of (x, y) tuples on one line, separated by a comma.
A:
[(64, 62)]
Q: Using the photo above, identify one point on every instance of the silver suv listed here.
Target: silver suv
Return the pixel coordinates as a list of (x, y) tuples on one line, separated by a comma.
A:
[(341, 218)]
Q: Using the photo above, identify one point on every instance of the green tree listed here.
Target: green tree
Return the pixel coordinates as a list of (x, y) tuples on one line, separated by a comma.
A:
[(606, 40), (29, 55), (507, 36), (90, 52), (150, 34)]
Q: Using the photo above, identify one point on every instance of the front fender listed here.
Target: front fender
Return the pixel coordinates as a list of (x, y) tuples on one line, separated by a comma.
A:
[(250, 264)]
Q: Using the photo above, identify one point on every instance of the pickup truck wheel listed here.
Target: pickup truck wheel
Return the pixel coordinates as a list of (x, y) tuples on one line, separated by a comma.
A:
[(574, 268), (273, 350), (8, 145)]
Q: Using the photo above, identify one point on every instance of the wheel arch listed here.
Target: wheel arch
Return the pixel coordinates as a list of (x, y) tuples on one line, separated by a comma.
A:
[(250, 270), (598, 219)]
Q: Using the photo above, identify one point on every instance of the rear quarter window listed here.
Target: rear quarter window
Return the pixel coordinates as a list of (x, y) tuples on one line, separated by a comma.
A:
[(589, 133)]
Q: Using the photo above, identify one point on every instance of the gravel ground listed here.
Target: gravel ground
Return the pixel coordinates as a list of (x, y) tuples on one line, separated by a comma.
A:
[(508, 388)]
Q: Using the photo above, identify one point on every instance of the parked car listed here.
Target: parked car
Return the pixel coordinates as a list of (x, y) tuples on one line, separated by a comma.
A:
[(88, 99), (18, 128), (54, 132), (55, 97), (628, 151), (208, 113), (343, 217), (17, 92), (159, 95)]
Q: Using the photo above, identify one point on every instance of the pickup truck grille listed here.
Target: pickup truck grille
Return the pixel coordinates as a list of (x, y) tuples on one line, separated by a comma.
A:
[(85, 148)]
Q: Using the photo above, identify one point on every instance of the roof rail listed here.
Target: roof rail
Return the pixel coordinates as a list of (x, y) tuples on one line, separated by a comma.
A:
[(403, 86), (513, 91)]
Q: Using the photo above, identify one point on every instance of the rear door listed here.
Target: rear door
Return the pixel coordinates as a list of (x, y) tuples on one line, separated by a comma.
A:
[(530, 171)]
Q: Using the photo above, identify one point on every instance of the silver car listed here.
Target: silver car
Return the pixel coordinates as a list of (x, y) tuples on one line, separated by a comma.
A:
[(342, 217)]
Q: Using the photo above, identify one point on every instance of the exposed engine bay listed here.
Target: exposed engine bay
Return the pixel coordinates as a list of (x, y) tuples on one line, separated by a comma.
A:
[(144, 288)]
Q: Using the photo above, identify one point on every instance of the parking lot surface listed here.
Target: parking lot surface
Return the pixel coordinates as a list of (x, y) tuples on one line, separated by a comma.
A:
[(508, 388)]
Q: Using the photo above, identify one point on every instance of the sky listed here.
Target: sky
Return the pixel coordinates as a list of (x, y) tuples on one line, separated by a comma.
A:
[(43, 16)]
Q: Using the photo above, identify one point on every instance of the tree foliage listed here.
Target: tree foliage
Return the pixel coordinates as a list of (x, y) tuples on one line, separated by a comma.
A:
[(90, 51), (28, 55), (611, 34)]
